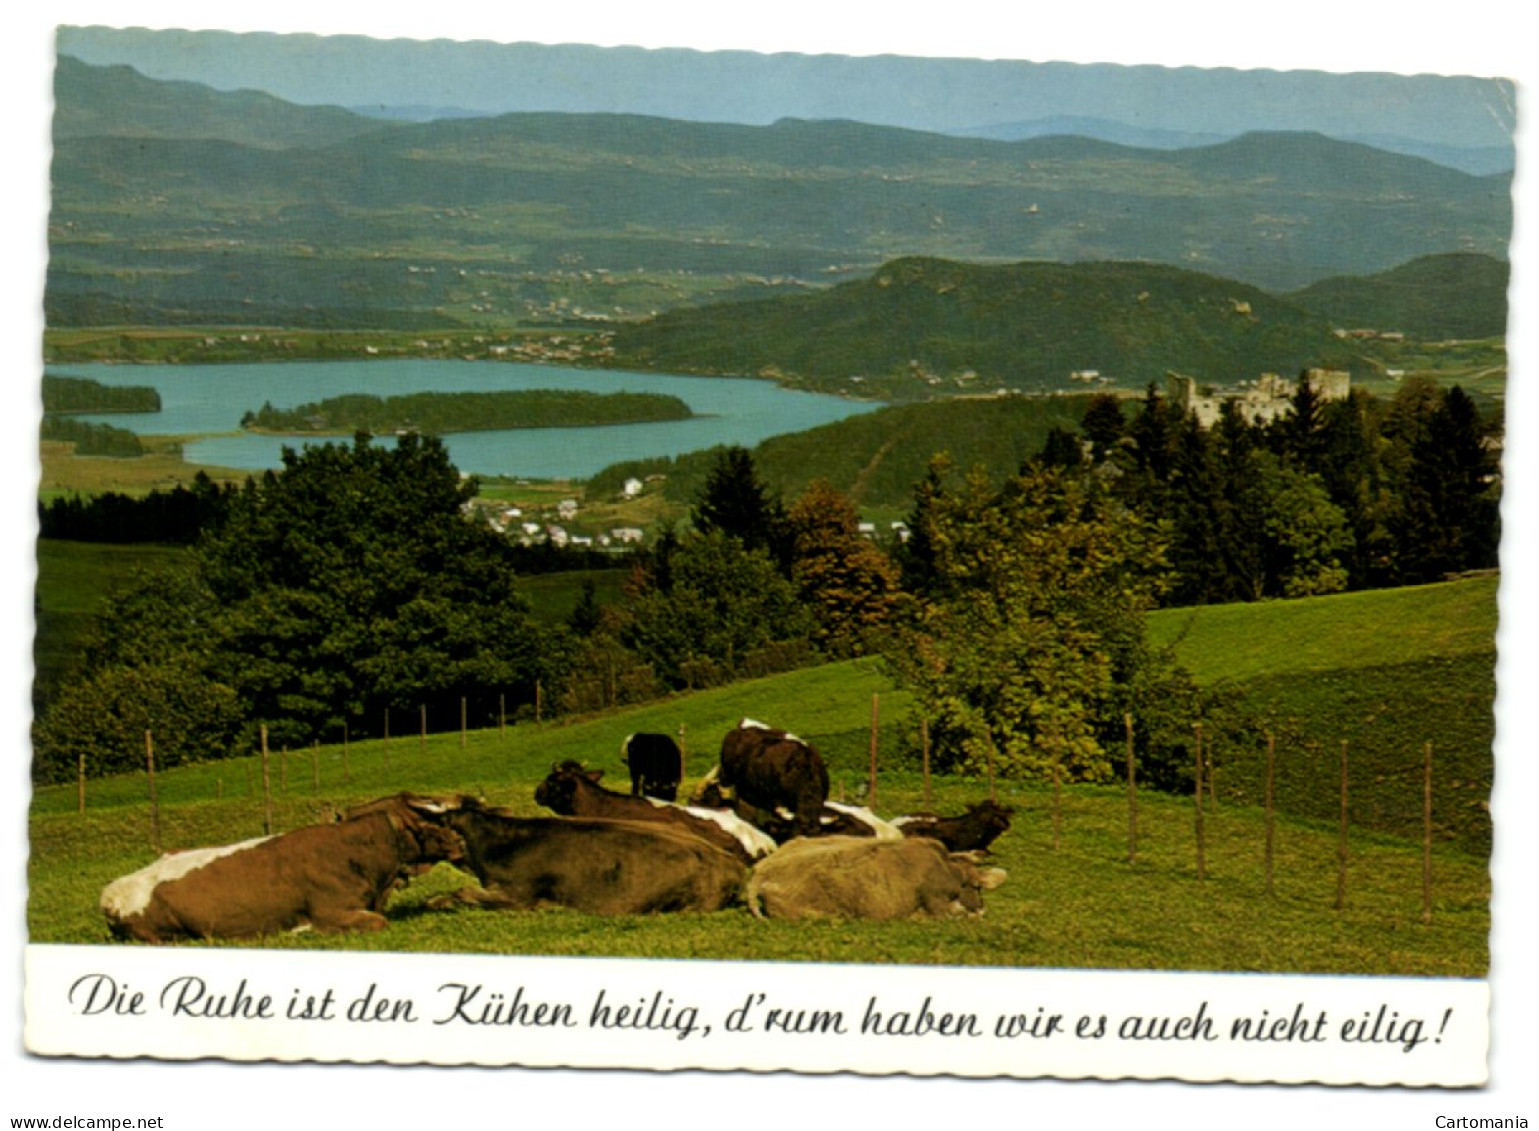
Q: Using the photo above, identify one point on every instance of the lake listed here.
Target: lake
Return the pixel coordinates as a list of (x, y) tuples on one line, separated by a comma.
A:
[(208, 400)]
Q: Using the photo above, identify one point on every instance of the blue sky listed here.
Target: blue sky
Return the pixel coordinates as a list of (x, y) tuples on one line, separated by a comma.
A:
[(933, 94)]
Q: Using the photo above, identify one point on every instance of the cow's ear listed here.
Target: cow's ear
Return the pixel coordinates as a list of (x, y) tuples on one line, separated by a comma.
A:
[(593, 775)]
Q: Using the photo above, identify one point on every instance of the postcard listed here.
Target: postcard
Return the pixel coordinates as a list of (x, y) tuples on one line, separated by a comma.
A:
[(607, 558)]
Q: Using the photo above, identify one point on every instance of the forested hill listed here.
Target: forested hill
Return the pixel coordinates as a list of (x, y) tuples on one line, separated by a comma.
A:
[(918, 324), (1432, 298)]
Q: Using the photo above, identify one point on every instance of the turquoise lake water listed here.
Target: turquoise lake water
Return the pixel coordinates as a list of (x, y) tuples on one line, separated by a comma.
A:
[(208, 399)]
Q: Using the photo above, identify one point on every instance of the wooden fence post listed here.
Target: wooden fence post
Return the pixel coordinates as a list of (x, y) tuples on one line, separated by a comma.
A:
[(1341, 837), (462, 722), (871, 786), (422, 728), (1271, 763), (283, 768), (1127, 726), (539, 701), (1212, 779), (149, 758), (1202, 847), (80, 784), (1426, 837), (267, 792), (347, 769), (387, 737), (683, 751), (315, 767), (502, 714), (924, 748), (1057, 802)]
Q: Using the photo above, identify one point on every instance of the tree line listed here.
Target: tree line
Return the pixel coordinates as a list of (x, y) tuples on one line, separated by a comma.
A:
[(352, 583), (1332, 495)]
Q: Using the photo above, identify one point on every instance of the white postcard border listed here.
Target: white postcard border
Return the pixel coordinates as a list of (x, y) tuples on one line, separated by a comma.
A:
[(547, 1012)]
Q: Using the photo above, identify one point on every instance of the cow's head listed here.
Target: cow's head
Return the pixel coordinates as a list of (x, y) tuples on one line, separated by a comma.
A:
[(558, 792), (709, 794), (975, 879), (421, 820)]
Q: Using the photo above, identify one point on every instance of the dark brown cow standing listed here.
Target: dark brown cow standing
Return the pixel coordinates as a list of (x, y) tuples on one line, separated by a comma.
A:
[(864, 878), (771, 769), (972, 831), (597, 866), (573, 791), (333, 877)]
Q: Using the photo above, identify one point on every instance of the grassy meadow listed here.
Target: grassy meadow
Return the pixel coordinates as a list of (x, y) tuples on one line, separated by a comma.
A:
[(1073, 899)]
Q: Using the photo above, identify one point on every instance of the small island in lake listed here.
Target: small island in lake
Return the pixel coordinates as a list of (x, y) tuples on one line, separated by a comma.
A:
[(443, 413)]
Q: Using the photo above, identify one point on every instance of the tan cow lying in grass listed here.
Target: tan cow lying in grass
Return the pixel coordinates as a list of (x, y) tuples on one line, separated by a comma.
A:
[(839, 877)]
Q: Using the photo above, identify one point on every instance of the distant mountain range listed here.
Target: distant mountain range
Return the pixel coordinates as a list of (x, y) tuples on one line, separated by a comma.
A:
[(1476, 160), (175, 203)]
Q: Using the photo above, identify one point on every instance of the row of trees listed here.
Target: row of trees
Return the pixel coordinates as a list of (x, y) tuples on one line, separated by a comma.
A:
[(349, 583), (1356, 493), (353, 583)]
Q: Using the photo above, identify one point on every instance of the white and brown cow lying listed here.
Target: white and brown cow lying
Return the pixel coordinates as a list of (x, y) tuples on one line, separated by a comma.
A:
[(839, 877), (333, 877)]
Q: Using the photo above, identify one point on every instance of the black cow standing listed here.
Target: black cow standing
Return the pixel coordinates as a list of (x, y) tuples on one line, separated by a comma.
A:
[(656, 764)]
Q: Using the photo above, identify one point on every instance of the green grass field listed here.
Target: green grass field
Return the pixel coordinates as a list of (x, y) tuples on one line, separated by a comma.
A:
[(1384, 672), (1072, 900)]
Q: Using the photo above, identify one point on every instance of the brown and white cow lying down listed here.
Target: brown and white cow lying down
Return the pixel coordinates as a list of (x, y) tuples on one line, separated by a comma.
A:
[(573, 791), (863, 878), (972, 831), (333, 877), (598, 866), (834, 818)]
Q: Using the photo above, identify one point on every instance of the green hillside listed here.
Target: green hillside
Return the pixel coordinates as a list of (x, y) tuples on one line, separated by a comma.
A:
[(1432, 298), (877, 458), (1238, 643), (1385, 672), (923, 324)]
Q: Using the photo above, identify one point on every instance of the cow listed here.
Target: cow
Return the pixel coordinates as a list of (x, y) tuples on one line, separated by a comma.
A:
[(597, 866), (770, 770), (656, 764), (972, 831), (573, 791), (330, 877), (834, 819), (841, 877)]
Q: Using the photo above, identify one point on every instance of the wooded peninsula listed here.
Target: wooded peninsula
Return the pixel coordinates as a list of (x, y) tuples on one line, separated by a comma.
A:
[(442, 413)]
